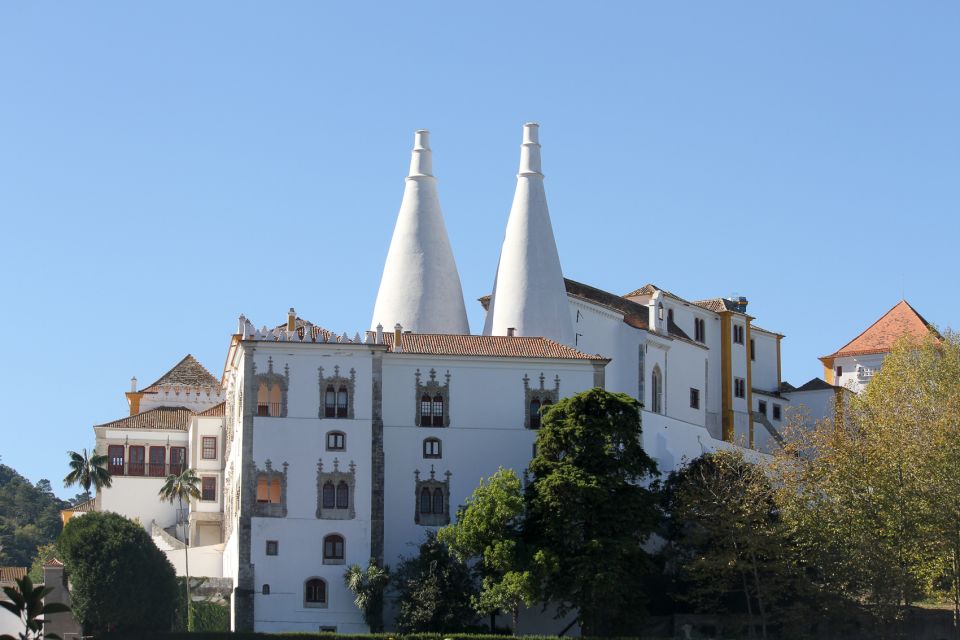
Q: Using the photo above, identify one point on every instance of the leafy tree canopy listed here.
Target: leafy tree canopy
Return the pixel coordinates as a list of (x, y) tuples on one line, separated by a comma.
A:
[(589, 511), (434, 590), (119, 579), (873, 495), (29, 517), (488, 532)]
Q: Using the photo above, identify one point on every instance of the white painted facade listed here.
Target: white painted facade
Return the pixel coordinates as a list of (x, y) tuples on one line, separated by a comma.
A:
[(279, 441)]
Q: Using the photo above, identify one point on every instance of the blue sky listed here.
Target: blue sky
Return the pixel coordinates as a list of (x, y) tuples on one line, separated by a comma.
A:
[(165, 167)]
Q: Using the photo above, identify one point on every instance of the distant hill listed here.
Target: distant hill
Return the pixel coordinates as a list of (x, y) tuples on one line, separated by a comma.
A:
[(29, 517)]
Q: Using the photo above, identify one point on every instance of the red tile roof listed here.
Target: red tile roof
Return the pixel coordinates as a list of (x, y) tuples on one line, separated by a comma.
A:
[(308, 328), (53, 563), (215, 410), (9, 574), (902, 320), (500, 346), (188, 373), (173, 418)]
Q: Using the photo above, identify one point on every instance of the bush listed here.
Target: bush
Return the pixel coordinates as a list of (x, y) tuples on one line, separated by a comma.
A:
[(119, 579)]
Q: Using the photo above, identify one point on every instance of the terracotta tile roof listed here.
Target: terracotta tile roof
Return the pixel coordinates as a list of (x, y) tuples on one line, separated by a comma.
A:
[(717, 304), (188, 373), (634, 314), (499, 346), (9, 574), (53, 563), (902, 320), (173, 418), (649, 289), (88, 505), (815, 384), (308, 328), (215, 410)]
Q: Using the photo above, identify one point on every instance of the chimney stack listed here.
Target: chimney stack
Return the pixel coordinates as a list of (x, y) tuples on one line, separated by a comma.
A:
[(291, 320), (397, 333), (133, 383), (511, 331)]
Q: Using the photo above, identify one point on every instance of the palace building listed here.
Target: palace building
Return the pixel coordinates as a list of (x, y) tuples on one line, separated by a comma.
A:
[(317, 450)]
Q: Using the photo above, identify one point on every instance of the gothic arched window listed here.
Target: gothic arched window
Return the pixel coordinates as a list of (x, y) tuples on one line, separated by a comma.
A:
[(426, 502), (426, 410), (438, 410), (438, 501), (656, 390), (329, 496), (534, 414), (330, 402), (343, 495), (342, 401)]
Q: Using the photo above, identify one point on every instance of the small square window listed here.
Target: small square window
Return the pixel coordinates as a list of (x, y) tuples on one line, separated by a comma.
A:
[(209, 448), (431, 448), (209, 489), (762, 407), (273, 547), (776, 412), (336, 441), (694, 398)]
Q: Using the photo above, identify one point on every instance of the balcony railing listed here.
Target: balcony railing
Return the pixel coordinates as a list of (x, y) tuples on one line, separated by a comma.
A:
[(148, 469), (268, 409)]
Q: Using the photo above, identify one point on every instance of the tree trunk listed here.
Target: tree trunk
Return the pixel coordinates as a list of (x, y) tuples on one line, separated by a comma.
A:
[(186, 568), (516, 617), (756, 585)]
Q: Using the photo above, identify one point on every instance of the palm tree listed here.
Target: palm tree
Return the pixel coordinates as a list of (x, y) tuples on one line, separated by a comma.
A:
[(183, 487), (88, 470), (368, 587), (26, 602)]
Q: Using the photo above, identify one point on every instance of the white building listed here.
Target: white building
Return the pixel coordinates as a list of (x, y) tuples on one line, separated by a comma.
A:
[(318, 451)]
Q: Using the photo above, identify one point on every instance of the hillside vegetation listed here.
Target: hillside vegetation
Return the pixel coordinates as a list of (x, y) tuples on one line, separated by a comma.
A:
[(29, 517)]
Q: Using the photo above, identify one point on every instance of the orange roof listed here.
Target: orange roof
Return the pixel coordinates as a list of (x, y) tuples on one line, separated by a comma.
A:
[(173, 418), (215, 410), (9, 574), (902, 320), (188, 372), (467, 345)]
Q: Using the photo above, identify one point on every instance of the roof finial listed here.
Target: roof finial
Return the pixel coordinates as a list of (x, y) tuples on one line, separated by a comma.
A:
[(421, 160)]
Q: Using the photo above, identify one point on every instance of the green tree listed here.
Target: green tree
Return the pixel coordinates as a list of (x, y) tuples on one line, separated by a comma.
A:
[(727, 545), (488, 531), (26, 602), (434, 590), (368, 586), (872, 495), (29, 517), (45, 553), (589, 511), (87, 471), (180, 487), (119, 580)]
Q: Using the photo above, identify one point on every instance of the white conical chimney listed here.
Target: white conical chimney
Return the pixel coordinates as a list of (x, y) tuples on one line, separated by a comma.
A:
[(529, 294), (420, 286)]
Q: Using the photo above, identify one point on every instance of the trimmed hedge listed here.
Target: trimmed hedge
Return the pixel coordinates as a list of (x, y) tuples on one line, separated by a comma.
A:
[(335, 636)]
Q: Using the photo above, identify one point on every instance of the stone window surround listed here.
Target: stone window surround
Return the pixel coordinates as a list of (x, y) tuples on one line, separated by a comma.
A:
[(337, 381), (432, 519), (271, 379), (270, 509), (545, 396), (432, 388), (336, 476)]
